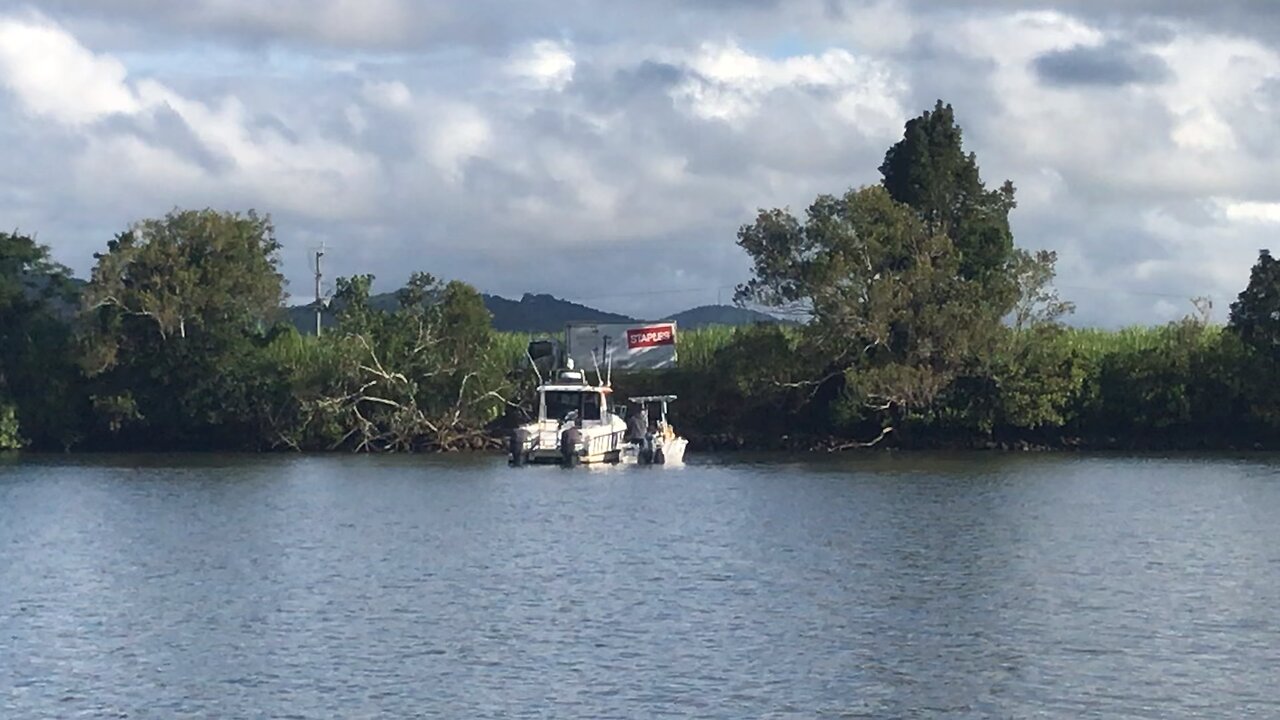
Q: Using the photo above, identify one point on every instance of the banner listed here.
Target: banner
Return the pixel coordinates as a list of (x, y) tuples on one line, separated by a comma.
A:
[(633, 346), (651, 336)]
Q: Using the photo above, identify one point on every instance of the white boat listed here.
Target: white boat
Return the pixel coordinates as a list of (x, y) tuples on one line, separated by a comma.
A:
[(577, 423), (651, 440)]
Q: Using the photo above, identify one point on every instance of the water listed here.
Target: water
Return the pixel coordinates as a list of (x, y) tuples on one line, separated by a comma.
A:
[(735, 587)]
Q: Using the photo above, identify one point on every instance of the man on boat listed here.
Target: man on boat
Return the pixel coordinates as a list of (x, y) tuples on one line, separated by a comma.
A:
[(637, 426)]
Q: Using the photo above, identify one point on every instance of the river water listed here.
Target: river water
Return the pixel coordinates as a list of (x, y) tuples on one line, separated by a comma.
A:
[(871, 586)]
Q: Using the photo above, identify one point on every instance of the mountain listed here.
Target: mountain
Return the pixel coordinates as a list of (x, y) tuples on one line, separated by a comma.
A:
[(707, 315), (532, 313), (543, 313)]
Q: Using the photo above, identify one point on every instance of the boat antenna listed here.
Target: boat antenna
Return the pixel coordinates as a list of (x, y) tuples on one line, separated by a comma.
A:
[(537, 373), (319, 297), (596, 362), (608, 362)]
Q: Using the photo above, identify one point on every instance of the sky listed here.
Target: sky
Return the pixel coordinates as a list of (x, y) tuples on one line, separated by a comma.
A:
[(607, 152)]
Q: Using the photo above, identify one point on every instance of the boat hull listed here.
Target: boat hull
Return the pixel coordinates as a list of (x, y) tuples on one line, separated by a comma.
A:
[(600, 445), (664, 452)]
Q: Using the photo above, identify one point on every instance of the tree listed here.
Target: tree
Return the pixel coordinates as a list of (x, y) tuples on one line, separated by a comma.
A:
[(191, 269), (890, 313), (423, 376), (1038, 302), (175, 313), (39, 382), (904, 285), (929, 171), (1255, 315)]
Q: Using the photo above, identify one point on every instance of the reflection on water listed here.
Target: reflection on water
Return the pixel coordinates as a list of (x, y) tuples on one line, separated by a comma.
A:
[(737, 586)]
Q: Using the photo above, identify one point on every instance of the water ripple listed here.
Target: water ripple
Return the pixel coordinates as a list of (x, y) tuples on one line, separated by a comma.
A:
[(861, 587)]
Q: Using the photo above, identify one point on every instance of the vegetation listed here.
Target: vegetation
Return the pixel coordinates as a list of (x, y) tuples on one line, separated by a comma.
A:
[(920, 323)]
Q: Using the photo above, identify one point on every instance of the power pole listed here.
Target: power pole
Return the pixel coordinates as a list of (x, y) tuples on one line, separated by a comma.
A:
[(319, 299)]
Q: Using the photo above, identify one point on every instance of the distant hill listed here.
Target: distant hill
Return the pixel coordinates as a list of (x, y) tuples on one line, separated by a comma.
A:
[(530, 314), (707, 315), (541, 313)]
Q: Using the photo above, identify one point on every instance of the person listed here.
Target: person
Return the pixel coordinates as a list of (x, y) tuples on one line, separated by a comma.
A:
[(637, 425)]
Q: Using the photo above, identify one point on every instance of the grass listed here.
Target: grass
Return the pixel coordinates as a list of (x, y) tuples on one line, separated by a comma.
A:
[(1098, 343), (697, 348), (509, 348)]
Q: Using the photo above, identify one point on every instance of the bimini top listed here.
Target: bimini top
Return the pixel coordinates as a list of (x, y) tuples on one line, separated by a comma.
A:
[(568, 376), (570, 380), (583, 388), (653, 398)]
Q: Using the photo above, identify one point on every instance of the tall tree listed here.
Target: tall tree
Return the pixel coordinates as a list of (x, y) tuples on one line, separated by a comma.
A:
[(890, 314), (1255, 315), (192, 269), (38, 377), (929, 170), (173, 311)]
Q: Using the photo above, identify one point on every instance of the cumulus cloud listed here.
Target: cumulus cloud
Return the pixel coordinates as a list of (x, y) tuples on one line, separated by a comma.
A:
[(1120, 176), (486, 140), (730, 84), (54, 76), (144, 146), (1113, 64), (546, 64)]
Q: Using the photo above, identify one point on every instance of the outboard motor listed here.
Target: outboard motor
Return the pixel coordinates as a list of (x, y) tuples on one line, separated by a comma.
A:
[(645, 455), (518, 441), (570, 439)]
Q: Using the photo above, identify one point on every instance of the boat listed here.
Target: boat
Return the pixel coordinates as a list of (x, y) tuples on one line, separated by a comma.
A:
[(651, 440), (577, 423)]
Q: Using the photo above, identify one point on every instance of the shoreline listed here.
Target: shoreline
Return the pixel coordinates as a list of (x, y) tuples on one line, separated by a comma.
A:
[(730, 444)]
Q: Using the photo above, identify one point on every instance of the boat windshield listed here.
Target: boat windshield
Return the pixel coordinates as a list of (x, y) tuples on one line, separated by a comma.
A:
[(559, 403)]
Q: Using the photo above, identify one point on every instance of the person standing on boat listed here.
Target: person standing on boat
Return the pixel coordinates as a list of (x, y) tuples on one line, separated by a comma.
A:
[(637, 425)]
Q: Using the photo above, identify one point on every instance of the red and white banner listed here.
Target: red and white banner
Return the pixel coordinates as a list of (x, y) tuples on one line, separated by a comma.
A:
[(630, 346), (651, 336)]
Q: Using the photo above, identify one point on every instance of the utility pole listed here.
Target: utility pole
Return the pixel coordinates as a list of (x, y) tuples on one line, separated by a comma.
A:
[(319, 299)]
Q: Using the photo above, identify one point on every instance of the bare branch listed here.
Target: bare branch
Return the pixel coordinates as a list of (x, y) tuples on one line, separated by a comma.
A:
[(860, 444)]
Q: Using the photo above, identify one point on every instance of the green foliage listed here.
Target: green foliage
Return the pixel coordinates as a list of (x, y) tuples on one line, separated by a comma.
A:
[(9, 437), (920, 318), (38, 372), (929, 171), (191, 271), (1038, 303), (1255, 315), (697, 348), (744, 386), (891, 317), (431, 374), (174, 315)]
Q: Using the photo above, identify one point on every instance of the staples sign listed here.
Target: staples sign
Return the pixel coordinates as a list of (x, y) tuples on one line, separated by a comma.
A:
[(651, 336)]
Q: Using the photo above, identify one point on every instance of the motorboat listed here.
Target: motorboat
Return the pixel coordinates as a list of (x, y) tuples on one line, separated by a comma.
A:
[(577, 423), (651, 440)]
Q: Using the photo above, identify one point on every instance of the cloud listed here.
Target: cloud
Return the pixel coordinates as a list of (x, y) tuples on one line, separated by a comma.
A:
[(141, 140), (55, 77), (390, 95), (1111, 64), (730, 84), (545, 64), (489, 141)]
